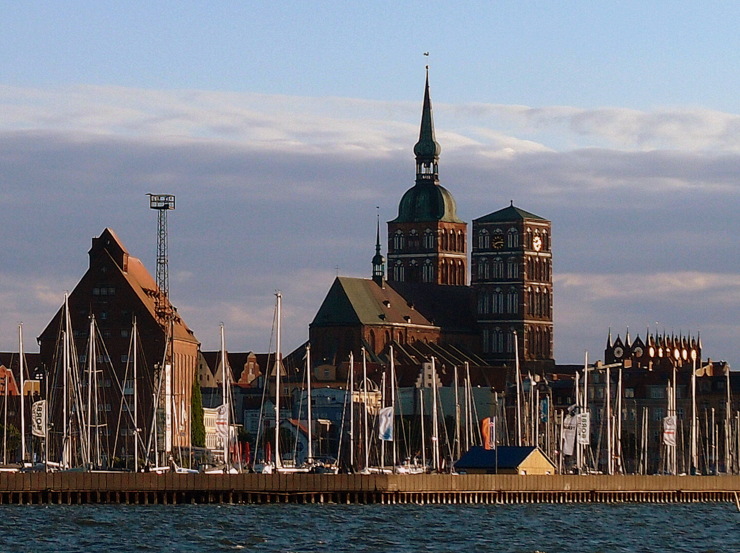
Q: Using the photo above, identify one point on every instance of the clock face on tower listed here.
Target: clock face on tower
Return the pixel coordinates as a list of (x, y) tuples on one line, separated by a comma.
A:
[(497, 242), (618, 352), (638, 351), (537, 243)]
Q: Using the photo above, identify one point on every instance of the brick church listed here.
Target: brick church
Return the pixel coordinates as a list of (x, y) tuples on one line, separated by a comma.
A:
[(425, 297)]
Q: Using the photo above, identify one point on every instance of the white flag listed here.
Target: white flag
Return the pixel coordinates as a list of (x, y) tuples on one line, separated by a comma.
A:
[(385, 424), (38, 418), (669, 431), (569, 434), (222, 420), (584, 428)]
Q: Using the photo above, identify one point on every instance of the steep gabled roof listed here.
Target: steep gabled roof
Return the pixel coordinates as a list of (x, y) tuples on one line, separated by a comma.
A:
[(359, 301), (508, 214)]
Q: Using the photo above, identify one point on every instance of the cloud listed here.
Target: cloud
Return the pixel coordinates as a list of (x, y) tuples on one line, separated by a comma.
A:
[(277, 192)]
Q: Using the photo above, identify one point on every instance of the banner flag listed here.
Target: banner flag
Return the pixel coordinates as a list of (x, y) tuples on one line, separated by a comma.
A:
[(569, 434), (385, 424), (222, 421), (669, 431), (38, 418), (584, 428), (488, 429)]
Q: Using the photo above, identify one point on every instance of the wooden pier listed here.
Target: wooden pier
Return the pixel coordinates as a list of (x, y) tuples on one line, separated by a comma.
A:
[(147, 489)]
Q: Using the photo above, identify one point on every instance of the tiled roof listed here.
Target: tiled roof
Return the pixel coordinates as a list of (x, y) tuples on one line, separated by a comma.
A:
[(353, 301)]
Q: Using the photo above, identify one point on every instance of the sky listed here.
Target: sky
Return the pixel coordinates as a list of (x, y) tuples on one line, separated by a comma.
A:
[(284, 129)]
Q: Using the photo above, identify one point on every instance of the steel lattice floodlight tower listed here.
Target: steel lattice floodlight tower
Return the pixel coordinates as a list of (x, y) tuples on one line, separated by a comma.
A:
[(162, 203)]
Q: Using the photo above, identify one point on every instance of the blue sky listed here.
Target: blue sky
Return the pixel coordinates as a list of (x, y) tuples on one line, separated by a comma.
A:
[(280, 127)]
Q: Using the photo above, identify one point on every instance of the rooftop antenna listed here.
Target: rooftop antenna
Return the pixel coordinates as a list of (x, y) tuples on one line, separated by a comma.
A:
[(162, 203)]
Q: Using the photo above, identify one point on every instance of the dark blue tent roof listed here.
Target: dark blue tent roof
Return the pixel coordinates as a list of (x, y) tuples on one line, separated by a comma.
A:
[(509, 457)]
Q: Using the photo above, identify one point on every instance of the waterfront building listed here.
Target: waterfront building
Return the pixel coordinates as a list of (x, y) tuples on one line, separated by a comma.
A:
[(115, 291)]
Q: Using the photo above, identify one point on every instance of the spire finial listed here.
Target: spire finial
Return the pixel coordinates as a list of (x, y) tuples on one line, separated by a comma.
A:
[(427, 149)]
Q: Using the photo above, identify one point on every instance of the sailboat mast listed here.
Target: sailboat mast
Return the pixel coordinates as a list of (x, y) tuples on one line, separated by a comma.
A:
[(393, 403), (21, 370), (90, 384), (65, 369), (351, 410), (310, 417), (366, 440), (518, 392), (278, 365), (224, 392), (435, 426), (609, 436), (457, 416), (694, 460), (136, 398)]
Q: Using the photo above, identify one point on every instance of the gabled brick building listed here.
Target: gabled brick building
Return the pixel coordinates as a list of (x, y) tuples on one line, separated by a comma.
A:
[(115, 290)]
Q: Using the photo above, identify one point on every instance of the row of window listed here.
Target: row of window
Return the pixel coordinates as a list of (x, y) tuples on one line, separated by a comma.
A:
[(497, 302), (451, 272), (538, 303), (498, 340), (497, 239), (495, 268), (104, 291), (448, 241), (538, 269)]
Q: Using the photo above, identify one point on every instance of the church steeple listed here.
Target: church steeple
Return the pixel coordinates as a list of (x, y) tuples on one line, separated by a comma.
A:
[(427, 149), (378, 259)]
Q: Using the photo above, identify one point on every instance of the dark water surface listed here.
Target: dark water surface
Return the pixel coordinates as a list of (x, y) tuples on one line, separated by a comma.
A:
[(710, 527)]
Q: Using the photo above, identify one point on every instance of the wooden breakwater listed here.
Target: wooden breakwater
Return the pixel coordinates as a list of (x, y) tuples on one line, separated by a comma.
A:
[(142, 488)]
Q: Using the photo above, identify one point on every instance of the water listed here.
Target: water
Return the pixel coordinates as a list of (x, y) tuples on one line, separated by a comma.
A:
[(574, 528)]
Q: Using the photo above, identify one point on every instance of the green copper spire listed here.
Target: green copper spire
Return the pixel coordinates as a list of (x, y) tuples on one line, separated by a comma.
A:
[(427, 149)]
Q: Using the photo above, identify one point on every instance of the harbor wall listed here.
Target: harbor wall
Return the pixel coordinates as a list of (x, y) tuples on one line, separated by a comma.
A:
[(143, 488)]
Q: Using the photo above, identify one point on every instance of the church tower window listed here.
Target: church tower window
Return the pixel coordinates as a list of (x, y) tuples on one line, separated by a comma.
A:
[(513, 238), (484, 240), (427, 271), (428, 240)]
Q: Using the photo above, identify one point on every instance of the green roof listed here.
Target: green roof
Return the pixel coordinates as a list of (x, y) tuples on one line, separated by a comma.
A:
[(507, 214), (426, 202)]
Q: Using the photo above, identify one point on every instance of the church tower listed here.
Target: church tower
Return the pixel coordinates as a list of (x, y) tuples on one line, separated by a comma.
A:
[(512, 278), (427, 241)]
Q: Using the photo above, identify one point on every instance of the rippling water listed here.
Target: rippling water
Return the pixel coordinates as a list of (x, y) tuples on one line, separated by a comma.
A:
[(373, 528)]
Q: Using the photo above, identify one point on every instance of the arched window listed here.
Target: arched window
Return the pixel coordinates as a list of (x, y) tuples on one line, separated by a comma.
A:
[(498, 301), (513, 238), (483, 268), (498, 268), (428, 239), (398, 241), (399, 272), (546, 308), (498, 340), (512, 268), (427, 271), (460, 241), (512, 301), (484, 240), (486, 340)]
